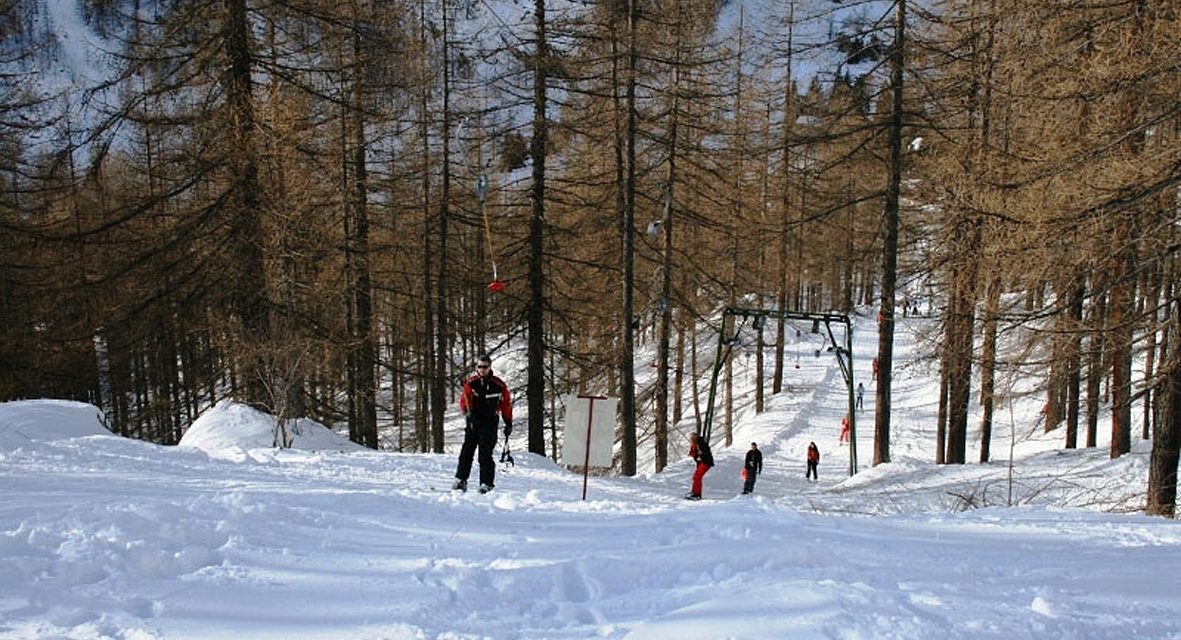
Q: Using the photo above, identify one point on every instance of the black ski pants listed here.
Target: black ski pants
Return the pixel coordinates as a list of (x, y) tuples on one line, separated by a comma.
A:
[(479, 434), (749, 485)]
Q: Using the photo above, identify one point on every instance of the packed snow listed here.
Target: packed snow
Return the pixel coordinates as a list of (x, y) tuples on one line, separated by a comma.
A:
[(227, 537)]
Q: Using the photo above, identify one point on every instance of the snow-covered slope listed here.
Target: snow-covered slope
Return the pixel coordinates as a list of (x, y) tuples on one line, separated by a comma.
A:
[(104, 537)]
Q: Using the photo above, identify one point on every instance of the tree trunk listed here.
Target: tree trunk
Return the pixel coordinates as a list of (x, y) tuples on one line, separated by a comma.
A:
[(628, 237), (1074, 365), (666, 266), (442, 335), (429, 396), (881, 444), (1120, 339), (988, 368), (784, 244), (941, 414), (684, 318), (1166, 433), (363, 341), (1056, 382), (1095, 353), (536, 320), (251, 294), (1123, 294), (1151, 301), (958, 350), (739, 148)]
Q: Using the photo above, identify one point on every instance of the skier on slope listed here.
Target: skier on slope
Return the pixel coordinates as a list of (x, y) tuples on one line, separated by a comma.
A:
[(699, 451), (751, 468), (484, 398)]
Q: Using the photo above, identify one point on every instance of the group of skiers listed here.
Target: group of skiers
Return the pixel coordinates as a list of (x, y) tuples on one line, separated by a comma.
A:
[(752, 465), (485, 402)]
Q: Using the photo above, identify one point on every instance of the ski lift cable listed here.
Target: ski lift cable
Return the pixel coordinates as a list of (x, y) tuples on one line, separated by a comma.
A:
[(496, 286)]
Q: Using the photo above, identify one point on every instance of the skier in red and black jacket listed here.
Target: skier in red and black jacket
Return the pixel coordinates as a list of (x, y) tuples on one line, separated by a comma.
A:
[(484, 398), (699, 451)]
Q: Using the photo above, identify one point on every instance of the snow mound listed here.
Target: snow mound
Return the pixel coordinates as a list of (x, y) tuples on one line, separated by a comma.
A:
[(230, 429), (25, 421)]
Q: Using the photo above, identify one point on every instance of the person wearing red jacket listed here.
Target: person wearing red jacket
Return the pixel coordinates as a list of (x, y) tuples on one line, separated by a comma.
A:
[(484, 402), (699, 451), (813, 461)]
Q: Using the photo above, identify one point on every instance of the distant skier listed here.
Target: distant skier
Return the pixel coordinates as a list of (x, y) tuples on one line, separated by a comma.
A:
[(484, 399), (874, 367), (860, 395), (844, 429), (813, 461), (699, 451), (752, 467)]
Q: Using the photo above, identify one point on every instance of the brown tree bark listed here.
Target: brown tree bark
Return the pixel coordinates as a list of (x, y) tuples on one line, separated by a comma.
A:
[(881, 444), (1166, 433)]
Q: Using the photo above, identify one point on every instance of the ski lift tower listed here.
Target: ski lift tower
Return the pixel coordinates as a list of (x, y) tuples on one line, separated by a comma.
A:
[(733, 320)]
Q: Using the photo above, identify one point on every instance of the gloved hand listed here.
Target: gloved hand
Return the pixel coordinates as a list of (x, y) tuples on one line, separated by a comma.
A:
[(467, 423), (508, 429)]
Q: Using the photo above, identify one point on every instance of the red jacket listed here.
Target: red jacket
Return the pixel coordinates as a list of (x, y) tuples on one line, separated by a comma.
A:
[(485, 397), (813, 453), (700, 452)]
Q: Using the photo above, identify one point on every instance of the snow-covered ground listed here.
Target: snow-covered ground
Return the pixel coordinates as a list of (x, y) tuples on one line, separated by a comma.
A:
[(224, 537)]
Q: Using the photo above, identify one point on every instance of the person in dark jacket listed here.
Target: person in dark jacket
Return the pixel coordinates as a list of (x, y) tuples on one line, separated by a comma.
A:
[(699, 451), (484, 402), (813, 461), (752, 468)]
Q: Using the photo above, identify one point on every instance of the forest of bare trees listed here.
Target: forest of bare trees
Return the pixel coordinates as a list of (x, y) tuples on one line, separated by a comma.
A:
[(299, 204)]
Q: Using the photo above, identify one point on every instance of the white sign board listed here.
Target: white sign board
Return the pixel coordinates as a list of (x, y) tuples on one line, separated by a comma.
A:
[(593, 420)]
